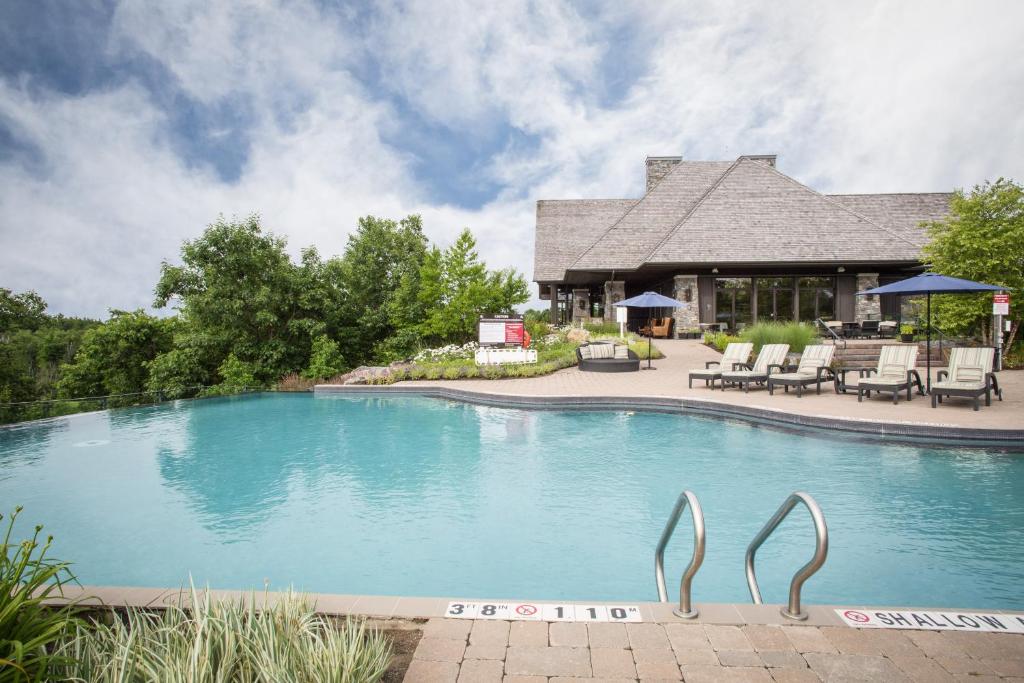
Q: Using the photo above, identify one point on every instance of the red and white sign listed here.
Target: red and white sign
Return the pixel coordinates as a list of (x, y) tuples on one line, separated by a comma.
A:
[(932, 620), (501, 331), (1000, 304)]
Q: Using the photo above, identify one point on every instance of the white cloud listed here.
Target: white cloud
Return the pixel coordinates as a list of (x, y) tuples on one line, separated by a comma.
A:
[(852, 96)]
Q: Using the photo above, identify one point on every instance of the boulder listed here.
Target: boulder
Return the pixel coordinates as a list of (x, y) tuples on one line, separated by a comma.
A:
[(578, 335)]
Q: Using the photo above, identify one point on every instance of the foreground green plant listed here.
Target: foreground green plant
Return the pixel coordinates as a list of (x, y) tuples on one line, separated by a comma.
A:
[(29, 628), (796, 335), (223, 640)]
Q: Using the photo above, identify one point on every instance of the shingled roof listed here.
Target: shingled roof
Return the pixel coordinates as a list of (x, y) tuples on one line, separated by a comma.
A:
[(729, 212)]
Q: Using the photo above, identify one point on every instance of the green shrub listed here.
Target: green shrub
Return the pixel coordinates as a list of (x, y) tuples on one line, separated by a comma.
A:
[(452, 373), (226, 641), (29, 629), (797, 335), (719, 340), (601, 328), (325, 359)]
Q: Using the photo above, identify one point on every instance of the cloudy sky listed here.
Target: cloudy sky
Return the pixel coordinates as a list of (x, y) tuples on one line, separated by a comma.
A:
[(126, 127)]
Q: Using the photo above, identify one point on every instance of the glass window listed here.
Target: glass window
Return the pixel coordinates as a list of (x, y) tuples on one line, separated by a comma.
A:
[(817, 298), (774, 298), (732, 302)]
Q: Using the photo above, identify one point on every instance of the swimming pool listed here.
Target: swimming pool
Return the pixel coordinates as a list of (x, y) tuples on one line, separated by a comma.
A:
[(418, 496)]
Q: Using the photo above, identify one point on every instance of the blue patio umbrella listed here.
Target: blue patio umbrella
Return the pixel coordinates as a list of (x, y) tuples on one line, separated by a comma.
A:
[(650, 300), (932, 283)]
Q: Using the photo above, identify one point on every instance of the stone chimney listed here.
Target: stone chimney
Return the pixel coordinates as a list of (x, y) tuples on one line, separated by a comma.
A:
[(658, 168)]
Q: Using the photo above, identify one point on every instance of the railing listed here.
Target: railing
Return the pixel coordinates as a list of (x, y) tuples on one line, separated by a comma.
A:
[(835, 337), (42, 409), (792, 611), (686, 609)]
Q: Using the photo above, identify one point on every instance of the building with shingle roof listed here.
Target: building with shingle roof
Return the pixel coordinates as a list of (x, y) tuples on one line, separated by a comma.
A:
[(737, 241)]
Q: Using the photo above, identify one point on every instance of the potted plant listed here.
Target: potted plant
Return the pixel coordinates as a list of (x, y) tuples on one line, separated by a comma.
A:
[(906, 333)]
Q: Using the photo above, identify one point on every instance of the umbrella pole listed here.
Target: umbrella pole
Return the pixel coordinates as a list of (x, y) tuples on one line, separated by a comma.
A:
[(650, 333), (929, 351)]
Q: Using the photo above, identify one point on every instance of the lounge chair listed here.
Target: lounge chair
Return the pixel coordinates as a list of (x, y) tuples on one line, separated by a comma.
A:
[(894, 373), (771, 357), (887, 329), (735, 354), (814, 365), (607, 357), (869, 328), (969, 375)]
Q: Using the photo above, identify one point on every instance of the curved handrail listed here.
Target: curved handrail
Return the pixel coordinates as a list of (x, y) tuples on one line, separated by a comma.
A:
[(686, 609), (835, 337), (792, 611)]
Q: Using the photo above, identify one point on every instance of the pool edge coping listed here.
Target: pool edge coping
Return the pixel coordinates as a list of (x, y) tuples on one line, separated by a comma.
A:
[(700, 406)]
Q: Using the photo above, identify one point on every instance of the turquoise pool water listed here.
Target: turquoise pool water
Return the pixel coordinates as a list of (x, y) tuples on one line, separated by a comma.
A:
[(417, 496)]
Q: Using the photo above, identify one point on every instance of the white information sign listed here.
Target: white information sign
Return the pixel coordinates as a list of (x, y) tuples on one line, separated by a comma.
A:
[(933, 620), (621, 313), (536, 611), (492, 333), (1000, 304)]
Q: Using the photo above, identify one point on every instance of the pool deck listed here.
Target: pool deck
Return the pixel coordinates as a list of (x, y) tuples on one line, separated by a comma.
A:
[(725, 643), (666, 388)]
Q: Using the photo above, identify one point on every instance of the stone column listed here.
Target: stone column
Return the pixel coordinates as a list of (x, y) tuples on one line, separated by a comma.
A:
[(684, 289), (614, 292), (580, 305), (867, 307)]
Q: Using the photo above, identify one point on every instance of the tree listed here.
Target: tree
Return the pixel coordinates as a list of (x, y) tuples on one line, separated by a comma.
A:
[(240, 294), (456, 289), (378, 257), (982, 239), (325, 359), (21, 311), (114, 357)]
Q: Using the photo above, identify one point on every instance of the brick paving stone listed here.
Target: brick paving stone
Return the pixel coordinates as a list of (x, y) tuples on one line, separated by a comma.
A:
[(481, 671), (528, 633), (808, 639), (1005, 667), (976, 645), (781, 659), (440, 650), (561, 679), (963, 665), (895, 644), (548, 661), (727, 638), (425, 671), (794, 676), (662, 671), (647, 637), (739, 658), (969, 678), (568, 634), (485, 652), (702, 655), (612, 663), (687, 636), (525, 679), (767, 637), (715, 674), (455, 629), (486, 632), (1011, 645), (922, 669), (933, 644), (608, 635), (852, 641), (843, 667)]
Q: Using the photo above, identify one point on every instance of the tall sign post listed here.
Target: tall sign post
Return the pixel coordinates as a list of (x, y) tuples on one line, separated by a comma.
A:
[(620, 317), (1000, 307)]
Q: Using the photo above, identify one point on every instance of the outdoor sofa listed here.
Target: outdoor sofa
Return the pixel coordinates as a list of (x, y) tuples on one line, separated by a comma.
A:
[(969, 375), (736, 353), (771, 357), (607, 357), (895, 372), (815, 365)]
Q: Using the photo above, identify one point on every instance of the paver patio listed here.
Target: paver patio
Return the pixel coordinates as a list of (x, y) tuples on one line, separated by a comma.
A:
[(536, 651), (670, 381)]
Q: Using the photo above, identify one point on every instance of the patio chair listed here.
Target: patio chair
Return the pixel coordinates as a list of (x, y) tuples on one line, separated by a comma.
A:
[(832, 328), (771, 357), (894, 373), (869, 328), (736, 353), (969, 375), (887, 329), (662, 329), (814, 365)]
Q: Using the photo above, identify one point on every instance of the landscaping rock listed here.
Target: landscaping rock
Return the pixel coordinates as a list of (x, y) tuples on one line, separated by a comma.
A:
[(578, 335)]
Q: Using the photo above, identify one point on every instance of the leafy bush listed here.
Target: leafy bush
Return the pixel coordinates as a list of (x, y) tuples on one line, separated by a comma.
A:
[(226, 641), (325, 359), (601, 328), (719, 340), (797, 335), (28, 628)]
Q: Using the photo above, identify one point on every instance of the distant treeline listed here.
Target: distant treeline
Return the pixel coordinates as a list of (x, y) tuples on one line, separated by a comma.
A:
[(247, 315)]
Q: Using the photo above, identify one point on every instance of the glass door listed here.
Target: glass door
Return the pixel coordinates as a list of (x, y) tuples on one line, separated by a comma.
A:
[(774, 299), (732, 302)]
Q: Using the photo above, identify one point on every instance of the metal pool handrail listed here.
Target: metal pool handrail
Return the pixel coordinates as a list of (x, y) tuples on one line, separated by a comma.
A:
[(686, 609), (792, 611)]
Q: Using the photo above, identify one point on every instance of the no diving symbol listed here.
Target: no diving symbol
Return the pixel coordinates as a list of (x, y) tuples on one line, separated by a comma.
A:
[(859, 617), (526, 610)]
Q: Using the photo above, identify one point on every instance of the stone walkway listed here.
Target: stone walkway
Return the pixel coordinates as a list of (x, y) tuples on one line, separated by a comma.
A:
[(453, 650), (670, 380)]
